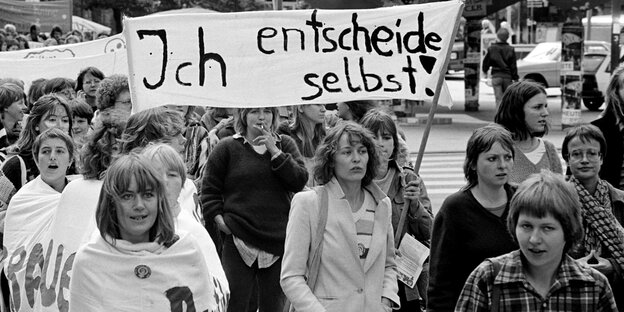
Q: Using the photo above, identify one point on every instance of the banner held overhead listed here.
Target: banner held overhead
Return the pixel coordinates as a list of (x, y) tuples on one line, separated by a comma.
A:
[(278, 58)]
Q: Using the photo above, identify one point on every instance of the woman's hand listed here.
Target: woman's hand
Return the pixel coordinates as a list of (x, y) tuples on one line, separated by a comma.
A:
[(213, 139), (81, 95), (267, 139), (221, 225), (386, 303), (603, 265), (412, 189)]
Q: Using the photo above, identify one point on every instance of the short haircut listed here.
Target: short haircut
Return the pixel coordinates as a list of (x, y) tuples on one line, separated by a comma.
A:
[(167, 158), (324, 157), (241, 118), (9, 94), (544, 194), (54, 133), (502, 34), (93, 71), (56, 28), (359, 108), (378, 121), (117, 181), (585, 133), (157, 124), (481, 141), (510, 113), (44, 106), (97, 153), (81, 109), (110, 87)]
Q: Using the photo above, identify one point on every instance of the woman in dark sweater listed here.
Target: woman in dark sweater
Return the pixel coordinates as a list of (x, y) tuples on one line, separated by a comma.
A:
[(470, 225), (246, 189)]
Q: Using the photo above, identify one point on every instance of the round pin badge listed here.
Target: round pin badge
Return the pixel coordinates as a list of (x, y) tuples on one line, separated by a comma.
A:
[(142, 271)]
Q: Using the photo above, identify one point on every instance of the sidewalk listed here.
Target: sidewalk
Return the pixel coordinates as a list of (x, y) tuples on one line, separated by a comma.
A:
[(452, 137)]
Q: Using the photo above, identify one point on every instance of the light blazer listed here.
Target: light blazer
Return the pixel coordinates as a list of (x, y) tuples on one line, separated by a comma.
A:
[(343, 284)]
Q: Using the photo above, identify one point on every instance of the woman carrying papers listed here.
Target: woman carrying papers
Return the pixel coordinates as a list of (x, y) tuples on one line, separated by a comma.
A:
[(138, 262)]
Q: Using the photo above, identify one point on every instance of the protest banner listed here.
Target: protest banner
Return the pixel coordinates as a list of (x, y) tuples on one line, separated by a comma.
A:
[(83, 49), (278, 58), (28, 70), (45, 13)]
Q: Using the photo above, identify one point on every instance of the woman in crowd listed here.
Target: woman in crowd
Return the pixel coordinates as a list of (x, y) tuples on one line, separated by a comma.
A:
[(308, 131), (355, 110), (82, 114), (50, 111), (87, 84), (401, 184), (157, 125), (12, 108), (246, 190), (196, 140), (545, 220), (138, 249), (113, 92), (171, 167), (611, 123), (32, 209), (524, 112), (357, 271), (470, 225), (35, 91), (57, 33), (602, 207)]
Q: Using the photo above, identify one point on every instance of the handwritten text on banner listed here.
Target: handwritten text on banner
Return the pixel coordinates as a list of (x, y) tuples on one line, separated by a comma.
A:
[(281, 58)]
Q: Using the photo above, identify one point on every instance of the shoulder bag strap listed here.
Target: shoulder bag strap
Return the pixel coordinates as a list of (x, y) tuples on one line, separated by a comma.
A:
[(317, 241), (496, 289)]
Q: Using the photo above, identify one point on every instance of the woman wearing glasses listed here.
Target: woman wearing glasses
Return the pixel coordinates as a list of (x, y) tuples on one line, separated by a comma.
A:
[(602, 207)]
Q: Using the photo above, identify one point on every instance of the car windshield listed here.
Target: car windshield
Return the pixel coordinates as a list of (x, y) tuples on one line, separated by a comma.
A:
[(591, 62), (545, 51)]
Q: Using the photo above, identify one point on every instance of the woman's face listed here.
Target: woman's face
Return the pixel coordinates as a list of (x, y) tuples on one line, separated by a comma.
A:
[(385, 146), (68, 93), (136, 213), (14, 114), (90, 84), (584, 159), (344, 112), (173, 185), (259, 117), (123, 101), (350, 159), (494, 166), (541, 240), (313, 112), (536, 113), (53, 160), (58, 118), (80, 126)]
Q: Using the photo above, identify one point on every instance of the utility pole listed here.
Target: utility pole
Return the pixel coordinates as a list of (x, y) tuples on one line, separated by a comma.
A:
[(615, 34)]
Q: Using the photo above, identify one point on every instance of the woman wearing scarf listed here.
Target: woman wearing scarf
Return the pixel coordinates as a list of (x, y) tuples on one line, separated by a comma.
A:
[(602, 246)]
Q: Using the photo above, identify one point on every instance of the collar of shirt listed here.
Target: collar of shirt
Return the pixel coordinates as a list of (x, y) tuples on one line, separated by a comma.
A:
[(512, 271)]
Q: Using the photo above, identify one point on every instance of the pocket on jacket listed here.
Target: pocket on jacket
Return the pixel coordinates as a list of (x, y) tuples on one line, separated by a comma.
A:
[(332, 303)]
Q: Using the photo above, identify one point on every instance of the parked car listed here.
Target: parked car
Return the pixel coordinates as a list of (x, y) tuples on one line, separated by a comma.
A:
[(543, 64), (596, 73)]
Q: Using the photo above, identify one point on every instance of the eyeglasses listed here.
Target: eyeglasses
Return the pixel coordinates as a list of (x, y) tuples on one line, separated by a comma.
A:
[(591, 155)]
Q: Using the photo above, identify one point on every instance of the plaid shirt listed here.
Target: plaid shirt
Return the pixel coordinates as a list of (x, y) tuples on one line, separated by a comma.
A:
[(577, 288)]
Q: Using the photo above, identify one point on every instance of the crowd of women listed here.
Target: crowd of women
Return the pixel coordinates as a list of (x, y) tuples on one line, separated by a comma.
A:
[(256, 209)]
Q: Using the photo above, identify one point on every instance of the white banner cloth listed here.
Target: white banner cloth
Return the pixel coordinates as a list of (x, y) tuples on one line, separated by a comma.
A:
[(130, 279), (277, 58), (111, 44)]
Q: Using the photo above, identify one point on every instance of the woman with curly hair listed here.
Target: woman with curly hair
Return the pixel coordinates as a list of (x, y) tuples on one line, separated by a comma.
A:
[(611, 123), (114, 92)]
